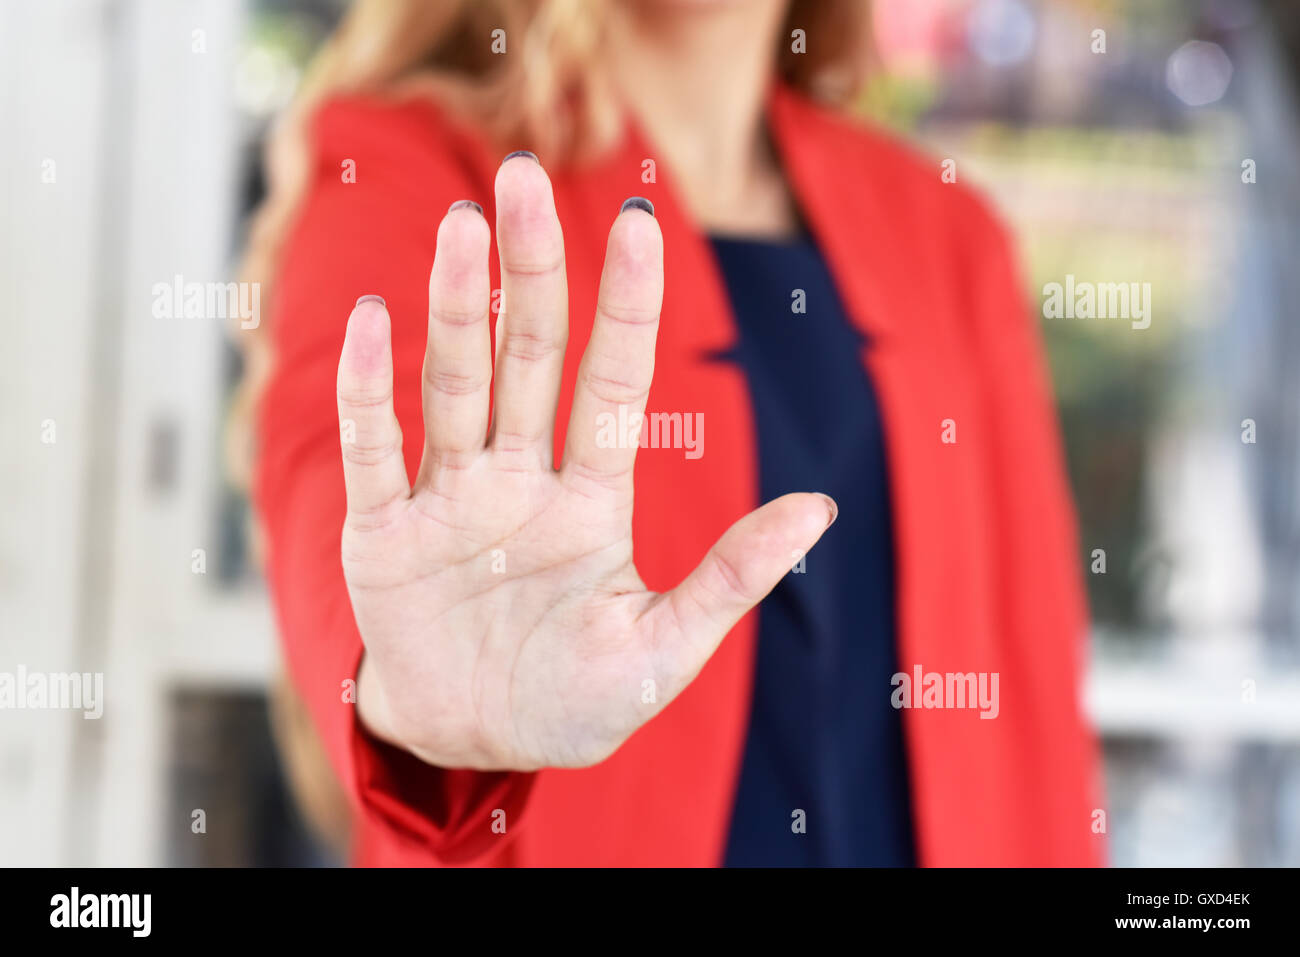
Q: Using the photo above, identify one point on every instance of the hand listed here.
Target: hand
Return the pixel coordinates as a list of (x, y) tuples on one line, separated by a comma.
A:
[(504, 622)]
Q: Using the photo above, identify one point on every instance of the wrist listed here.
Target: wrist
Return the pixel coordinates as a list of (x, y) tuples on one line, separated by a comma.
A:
[(372, 709), (376, 716)]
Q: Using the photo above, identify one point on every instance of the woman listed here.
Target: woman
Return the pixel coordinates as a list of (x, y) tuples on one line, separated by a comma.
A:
[(817, 311)]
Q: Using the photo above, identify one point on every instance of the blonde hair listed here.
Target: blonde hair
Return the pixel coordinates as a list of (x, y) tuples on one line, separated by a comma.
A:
[(543, 99), (546, 98)]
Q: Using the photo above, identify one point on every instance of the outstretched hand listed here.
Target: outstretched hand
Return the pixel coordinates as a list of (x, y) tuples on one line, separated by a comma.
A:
[(504, 622)]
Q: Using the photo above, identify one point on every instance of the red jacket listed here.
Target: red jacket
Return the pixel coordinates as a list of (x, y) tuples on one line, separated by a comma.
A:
[(987, 560)]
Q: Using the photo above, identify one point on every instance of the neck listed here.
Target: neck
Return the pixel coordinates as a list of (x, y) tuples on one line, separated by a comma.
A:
[(695, 81)]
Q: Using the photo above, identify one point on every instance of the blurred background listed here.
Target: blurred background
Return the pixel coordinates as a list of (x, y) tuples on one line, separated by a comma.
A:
[(1161, 149)]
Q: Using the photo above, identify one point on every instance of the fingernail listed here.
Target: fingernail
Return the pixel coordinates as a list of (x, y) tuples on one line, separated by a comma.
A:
[(466, 204), (637, 202), (832, 508), (378, 299), (531, 156)]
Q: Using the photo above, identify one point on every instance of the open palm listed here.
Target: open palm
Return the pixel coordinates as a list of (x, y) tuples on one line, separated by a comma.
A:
[(504, 621)]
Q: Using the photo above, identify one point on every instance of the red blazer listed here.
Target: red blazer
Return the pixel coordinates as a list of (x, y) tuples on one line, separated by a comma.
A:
[(987, 559)]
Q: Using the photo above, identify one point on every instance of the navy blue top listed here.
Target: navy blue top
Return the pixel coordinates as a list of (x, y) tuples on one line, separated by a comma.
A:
[(823, 737)]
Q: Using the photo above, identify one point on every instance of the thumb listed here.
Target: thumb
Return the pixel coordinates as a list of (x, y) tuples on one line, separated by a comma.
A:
[(742, 567)]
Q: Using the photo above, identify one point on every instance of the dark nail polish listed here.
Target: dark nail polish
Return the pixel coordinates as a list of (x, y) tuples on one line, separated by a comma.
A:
[(466, 204), (638, 202), (531, 156), (378, 299)]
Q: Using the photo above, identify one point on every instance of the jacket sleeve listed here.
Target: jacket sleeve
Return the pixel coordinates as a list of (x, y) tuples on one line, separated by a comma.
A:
[(368, 224), (1041, 589)]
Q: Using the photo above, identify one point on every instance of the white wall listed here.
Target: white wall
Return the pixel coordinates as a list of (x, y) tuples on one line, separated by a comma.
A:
[(95, 557)]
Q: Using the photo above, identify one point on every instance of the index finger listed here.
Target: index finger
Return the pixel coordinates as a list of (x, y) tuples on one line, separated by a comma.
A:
[(618, 366)]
